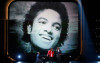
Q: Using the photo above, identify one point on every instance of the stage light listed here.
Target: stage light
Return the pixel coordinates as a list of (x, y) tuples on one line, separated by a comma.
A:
[(70, 56), (19, 62), (98, 61), (99, 56), (69, 62), (19, 56)]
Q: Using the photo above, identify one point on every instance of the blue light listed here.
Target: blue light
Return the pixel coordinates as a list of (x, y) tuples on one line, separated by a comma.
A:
[(98, 61), (99, 56), (70, 62), (19, 56), (18, 62)]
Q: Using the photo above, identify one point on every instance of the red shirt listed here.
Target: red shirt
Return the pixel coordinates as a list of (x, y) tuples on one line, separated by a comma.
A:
[(50, 53)]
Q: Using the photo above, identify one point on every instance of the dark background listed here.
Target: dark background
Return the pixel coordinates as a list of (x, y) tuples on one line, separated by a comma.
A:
[(92, 13)]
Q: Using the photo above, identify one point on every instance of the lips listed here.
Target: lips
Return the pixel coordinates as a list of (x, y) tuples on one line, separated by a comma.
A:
[(46, 37)]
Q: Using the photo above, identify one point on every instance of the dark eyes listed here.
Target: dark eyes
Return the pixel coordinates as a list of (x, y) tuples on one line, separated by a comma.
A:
[(42, 22), (54, 26)]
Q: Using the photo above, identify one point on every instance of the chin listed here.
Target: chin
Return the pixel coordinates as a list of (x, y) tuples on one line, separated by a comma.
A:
[(45, 47)]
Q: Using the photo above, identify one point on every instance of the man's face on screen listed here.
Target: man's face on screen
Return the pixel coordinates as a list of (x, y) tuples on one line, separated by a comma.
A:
[(46, 29)]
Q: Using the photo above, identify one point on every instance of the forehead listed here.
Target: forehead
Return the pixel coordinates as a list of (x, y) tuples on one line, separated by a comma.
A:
[(48, 14)]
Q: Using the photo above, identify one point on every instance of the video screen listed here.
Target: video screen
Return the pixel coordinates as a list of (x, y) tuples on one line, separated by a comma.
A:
[(38, 26)]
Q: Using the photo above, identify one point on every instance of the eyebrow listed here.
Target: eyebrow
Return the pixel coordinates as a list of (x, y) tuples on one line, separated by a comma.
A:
[(42, 18), (47, 20), (57, 24)]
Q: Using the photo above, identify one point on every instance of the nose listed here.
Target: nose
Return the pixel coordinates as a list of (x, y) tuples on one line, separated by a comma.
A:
[(48, 30)]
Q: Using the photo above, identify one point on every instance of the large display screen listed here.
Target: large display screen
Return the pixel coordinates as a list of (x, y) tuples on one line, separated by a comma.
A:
[(38, 26)]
